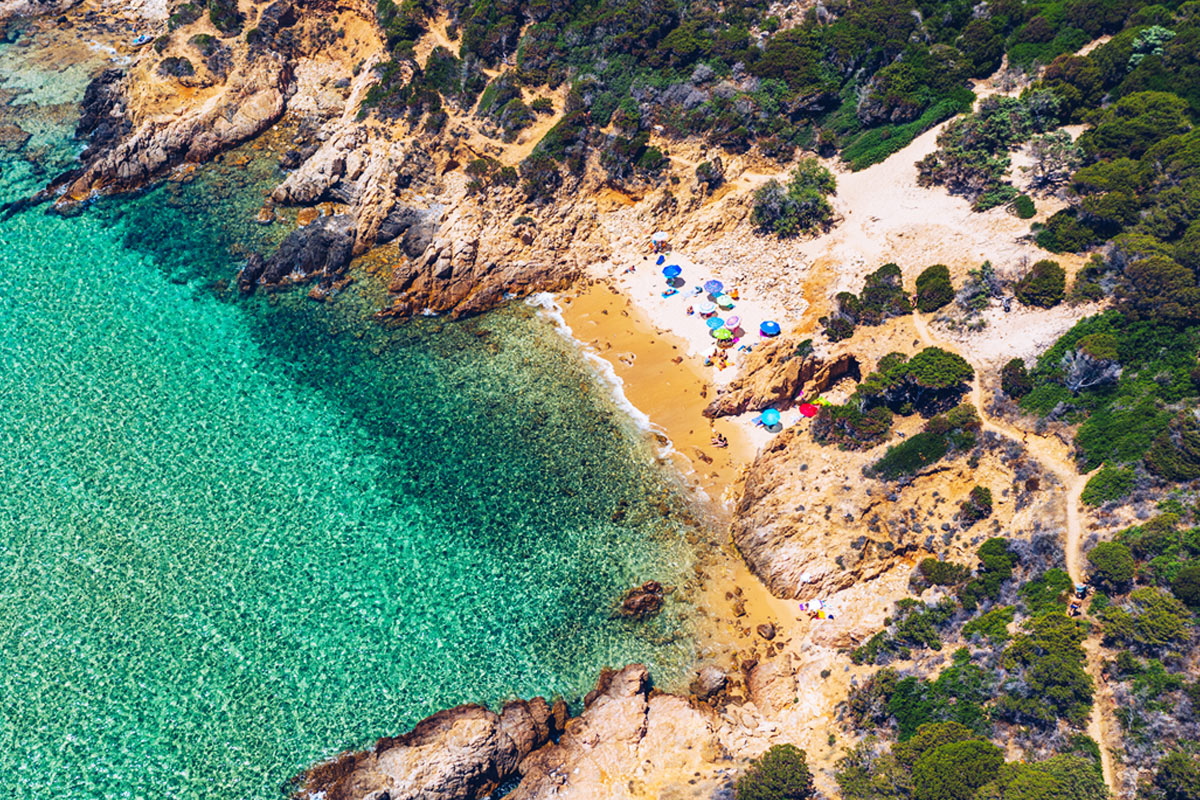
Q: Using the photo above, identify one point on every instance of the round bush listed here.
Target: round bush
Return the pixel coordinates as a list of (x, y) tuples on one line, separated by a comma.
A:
[(781, 774), (934, 289), (1023, 207), (1043, 286)]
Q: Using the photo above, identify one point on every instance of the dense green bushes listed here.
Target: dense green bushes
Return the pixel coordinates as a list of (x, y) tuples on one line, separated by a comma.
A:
[(782, 773), (1111, 566), (1043, 286), (882, 297), (934, 289), (996, 563), (954, 431), (1110, 483), (799, 207)]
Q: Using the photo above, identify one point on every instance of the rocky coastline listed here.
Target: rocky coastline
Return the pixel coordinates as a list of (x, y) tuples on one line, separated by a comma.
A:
[(802, 521)]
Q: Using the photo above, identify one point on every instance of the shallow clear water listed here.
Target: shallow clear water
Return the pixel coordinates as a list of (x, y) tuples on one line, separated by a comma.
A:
[(237, 536)]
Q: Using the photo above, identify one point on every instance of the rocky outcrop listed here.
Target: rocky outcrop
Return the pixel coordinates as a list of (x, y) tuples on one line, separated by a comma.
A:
[(459, 754), (449, 277), (102, 118), (629, 741), (10, 9), (775, 375), (319, 251)]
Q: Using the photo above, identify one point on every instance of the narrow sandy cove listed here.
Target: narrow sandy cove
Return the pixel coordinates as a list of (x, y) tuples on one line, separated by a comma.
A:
[(672, 390)]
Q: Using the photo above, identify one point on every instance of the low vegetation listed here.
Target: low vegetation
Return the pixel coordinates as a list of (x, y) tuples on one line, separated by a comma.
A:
[(800, 206)]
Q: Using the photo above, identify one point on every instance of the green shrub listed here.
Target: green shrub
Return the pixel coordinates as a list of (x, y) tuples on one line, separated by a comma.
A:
[(1112, 566), (781, 774), (1178, 776), (1186, 585), (1023, 207), (952, 431), (799, 207), (996, 562), (1048, 681), (1014, 379), (977, 506), (1043, 286), (934, 289), (943, 573), (1154, 621), (954, 771), (1110, 483), (849, 427), (176, 67), (993, 625), (1047, 593), (225, 17), (184, 14)]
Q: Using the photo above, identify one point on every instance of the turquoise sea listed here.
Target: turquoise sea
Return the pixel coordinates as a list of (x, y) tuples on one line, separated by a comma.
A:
[(240, 535)]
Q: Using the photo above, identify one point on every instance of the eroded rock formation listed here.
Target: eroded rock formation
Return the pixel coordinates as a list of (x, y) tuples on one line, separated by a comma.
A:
[(775, 374)]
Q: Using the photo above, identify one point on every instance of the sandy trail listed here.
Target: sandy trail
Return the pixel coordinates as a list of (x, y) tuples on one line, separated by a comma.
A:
[(1054, 454)]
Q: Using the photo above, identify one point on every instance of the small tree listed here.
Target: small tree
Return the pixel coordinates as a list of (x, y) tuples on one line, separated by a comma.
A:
[(1014, 379), (1043, 286), (1055, 157), (1112, 566), (934, 289), (781, 774)]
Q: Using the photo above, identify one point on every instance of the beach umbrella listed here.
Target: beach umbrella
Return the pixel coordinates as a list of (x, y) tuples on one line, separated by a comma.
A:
[(659, 236), (714, 287), (769, 328), (770, 417), (715, 322), (707, 308), (725, 301), (660, 261), (808, 409), (672, 270), (723, 334), (732, 323)]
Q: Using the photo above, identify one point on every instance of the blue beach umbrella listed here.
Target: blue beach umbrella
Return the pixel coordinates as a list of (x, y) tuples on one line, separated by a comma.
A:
[(714, 287), (714, 322), (672, 270), (769, 328), (660, 260), (770, 417)]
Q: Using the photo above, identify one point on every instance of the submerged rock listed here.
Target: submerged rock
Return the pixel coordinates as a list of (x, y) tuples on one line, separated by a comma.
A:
[(710, 680), (642, 601)]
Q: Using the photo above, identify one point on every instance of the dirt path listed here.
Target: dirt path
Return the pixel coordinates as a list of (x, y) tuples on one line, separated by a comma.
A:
[(1055, 455)]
